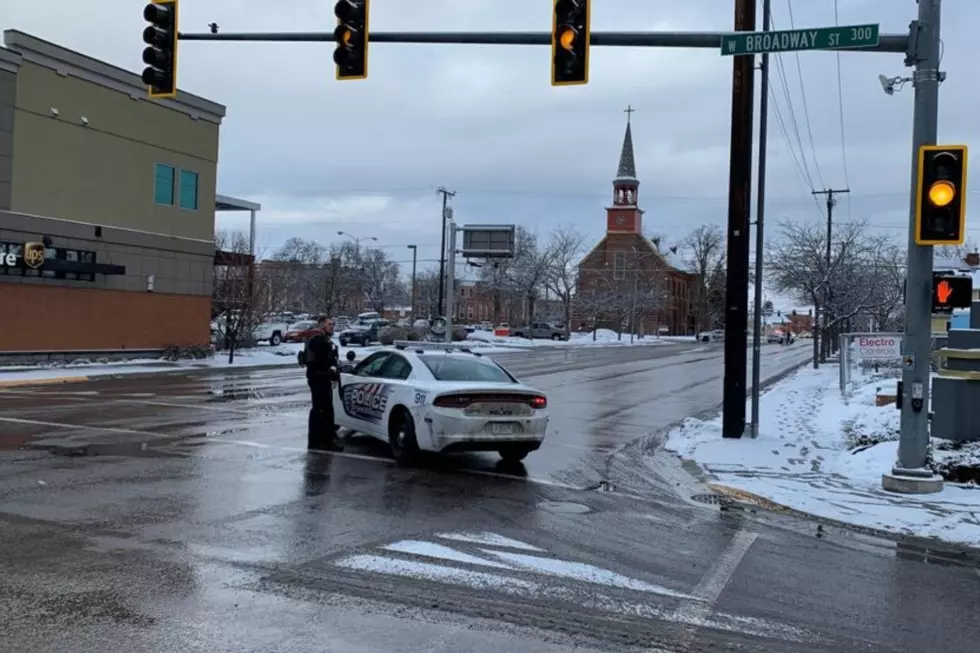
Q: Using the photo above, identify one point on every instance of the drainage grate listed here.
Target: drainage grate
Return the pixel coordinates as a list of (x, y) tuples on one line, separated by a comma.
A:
[(713, 499)]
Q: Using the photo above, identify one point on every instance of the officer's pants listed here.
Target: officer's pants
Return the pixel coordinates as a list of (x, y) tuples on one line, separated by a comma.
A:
[(322, 428)]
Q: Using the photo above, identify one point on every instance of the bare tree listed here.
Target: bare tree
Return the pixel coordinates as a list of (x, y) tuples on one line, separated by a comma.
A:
[(563, 254), (234, 302), (706, 259), (427, 292), (957, 253), (383, 286), (598, 299), (842, 288), (528, 271)]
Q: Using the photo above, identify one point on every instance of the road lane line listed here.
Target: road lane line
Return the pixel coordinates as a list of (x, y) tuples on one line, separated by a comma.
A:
[(697, 613)]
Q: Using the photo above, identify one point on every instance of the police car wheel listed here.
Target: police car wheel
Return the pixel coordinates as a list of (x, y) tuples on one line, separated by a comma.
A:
[(401, 437), (514, 453)]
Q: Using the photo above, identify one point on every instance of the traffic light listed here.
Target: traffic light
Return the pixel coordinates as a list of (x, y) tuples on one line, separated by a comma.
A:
[(951, 291), (160, 55), (940, 202), (351, 36), (570, 43)]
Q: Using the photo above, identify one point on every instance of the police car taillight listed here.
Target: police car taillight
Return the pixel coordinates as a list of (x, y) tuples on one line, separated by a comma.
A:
[(453, 401), (539, 402)]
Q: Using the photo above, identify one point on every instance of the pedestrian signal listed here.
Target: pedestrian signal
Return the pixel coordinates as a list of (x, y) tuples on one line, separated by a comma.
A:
[(951, 291)]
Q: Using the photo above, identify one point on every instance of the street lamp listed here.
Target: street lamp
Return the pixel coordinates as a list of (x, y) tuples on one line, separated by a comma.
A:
[(357, 239), (415, 252)]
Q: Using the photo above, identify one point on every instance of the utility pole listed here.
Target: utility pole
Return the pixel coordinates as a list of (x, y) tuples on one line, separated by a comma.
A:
[(760, 242), (415, 252), (910, 473), (442, 256), (824, 343), (739, 207)]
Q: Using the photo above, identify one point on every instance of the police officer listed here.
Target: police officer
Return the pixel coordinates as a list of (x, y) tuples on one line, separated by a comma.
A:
[(322, 368)]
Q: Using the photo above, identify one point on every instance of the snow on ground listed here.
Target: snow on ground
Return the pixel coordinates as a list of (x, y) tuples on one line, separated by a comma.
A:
[(260, 356), (603, 338), (821, 454)]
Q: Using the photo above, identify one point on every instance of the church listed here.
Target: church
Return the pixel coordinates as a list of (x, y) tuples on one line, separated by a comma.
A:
[(628, 282)]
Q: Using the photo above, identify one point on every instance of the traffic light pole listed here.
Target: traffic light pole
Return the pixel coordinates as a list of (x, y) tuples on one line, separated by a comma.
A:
[(910, 474), (703, 40)]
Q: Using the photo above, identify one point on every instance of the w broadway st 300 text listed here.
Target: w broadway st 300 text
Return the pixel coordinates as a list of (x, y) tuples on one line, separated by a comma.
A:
[(821, 38)]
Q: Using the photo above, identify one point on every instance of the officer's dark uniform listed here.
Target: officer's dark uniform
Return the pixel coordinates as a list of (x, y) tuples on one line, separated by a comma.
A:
[(321, 356)]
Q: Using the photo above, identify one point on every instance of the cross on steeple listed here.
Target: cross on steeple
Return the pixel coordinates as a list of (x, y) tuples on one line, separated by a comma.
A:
[(629, 113)]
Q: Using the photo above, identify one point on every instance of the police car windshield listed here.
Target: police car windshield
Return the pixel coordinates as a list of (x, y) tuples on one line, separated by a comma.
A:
[(458, 368)]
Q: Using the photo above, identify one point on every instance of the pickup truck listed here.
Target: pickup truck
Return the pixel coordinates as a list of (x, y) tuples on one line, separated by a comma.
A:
[(270, 332), (539, 331)]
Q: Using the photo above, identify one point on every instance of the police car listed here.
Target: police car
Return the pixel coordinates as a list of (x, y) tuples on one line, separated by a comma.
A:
[(440, 398)]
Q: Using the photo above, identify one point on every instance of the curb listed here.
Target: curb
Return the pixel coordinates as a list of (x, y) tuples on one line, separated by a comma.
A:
[(52, 381)]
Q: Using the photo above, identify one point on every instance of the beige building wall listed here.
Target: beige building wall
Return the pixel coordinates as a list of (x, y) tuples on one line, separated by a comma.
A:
[(86, 142)]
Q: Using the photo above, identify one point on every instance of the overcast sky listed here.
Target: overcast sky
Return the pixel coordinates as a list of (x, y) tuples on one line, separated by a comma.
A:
[(367, 156)]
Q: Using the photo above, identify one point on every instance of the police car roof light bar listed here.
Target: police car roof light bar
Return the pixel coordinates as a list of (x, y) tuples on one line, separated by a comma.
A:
[(421, 346)]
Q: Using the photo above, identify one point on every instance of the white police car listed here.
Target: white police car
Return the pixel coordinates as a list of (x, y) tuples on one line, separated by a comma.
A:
[(433, 397)]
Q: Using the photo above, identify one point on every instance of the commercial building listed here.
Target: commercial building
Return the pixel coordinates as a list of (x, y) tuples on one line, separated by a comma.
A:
[(107, 205)]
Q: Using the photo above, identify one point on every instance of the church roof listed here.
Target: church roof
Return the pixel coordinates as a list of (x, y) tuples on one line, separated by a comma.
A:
[(627, 164)]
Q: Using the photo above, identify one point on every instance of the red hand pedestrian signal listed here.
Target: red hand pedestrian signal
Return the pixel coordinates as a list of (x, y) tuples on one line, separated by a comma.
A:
[(943, 292)]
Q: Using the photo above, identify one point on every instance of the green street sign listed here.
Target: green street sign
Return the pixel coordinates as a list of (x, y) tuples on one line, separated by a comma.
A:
[(818, 38)]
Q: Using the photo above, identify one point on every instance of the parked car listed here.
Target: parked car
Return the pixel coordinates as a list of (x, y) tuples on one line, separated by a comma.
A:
[(486, 326), (301, 331), (539, 330), (717, 335), (270, 332), (361, 333)]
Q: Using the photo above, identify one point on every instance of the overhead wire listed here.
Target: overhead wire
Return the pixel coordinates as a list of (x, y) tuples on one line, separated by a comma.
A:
[(840, 108), (806, 107)]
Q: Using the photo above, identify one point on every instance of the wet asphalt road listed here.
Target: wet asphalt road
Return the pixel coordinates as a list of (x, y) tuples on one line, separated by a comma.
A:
[(180, 513)]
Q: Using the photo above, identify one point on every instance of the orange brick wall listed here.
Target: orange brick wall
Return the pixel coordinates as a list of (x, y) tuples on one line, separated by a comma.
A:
[(43, 318)]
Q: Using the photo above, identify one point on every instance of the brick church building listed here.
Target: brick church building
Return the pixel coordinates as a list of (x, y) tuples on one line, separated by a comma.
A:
[(627, 281)]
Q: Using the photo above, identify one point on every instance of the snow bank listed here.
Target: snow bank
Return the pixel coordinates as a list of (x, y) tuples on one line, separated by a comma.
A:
[(824, 455), (601, 338), (261, 356)]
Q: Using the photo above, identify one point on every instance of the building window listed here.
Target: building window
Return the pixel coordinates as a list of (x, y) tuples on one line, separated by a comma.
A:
[(619, 266), (188, 190), (163, 185)]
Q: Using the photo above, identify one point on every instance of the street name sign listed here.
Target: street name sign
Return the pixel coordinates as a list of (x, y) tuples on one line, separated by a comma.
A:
[(817, 38)]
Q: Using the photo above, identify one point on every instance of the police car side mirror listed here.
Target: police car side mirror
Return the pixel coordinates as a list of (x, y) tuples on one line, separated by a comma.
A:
[(351, 356), (347, 368)]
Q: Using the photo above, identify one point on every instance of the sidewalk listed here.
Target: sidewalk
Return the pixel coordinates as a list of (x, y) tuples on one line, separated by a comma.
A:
[(819, 455)]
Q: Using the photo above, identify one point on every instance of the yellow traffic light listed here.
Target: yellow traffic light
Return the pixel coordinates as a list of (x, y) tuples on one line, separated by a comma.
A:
[(942, 193), (567, 38), (570, 41), (351, 36), (160, 54), (940, 201)]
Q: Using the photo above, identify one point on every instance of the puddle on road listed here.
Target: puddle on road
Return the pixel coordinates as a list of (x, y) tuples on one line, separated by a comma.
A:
[(141, 449)]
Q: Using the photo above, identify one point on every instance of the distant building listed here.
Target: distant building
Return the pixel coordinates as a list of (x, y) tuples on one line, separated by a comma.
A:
[(628, 281)]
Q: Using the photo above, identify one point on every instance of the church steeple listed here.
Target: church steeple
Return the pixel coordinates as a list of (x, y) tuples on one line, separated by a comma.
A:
[(624, 215)]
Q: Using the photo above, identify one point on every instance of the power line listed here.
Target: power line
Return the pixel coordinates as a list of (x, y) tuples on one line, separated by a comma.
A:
[(806, 109), (840, 107)]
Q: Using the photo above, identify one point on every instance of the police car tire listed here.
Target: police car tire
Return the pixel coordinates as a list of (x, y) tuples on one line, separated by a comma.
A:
[(514, 453), (407, 451)]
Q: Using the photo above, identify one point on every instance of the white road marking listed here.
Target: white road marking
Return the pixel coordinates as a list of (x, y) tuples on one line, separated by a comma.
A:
[(139, 402), (440, 552), (698, 613), (596, 600), (76, 427), (489, 539)]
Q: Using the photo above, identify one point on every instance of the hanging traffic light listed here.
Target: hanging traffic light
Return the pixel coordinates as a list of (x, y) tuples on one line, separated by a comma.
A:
[(940, 202), (351, 36), (570, 38), (160, 55)]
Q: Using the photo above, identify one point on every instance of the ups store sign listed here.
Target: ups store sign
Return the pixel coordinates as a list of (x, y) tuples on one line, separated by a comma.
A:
[(32, 255), (54, 262)]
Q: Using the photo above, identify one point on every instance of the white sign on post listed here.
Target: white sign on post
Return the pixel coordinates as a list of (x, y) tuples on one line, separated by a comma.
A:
[(879, 347)]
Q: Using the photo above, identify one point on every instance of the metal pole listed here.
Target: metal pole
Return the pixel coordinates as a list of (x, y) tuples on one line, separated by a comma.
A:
[(760, 241), (636, 279), (415, 251), (739, 208), (451, 282), (913, 442), (704, 40), (442, 256)]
